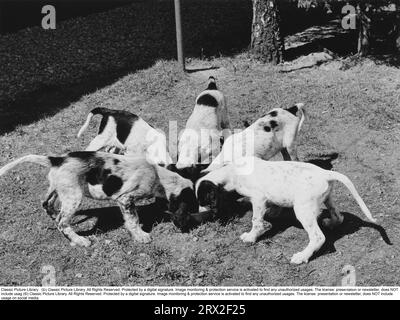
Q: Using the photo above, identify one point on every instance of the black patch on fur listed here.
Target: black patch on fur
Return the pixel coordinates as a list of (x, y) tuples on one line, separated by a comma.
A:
[(207, 100), (273, 124), (181, 206), (112, 185), (56, 161), (85, 156), (116, 162), (246, 123), (97, 174), (124, 120), (273, 113), (293, 110), (124, 126), (94, 176), (267, 129), (212, 85)]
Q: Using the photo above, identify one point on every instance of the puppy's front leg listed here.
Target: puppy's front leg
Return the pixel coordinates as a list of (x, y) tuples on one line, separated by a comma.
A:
[(131, 219), (259, 225)]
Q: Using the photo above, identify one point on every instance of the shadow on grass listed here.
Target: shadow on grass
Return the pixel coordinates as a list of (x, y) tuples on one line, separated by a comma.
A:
[(92, 52), (351, 224), (103, 220), (324, 161)]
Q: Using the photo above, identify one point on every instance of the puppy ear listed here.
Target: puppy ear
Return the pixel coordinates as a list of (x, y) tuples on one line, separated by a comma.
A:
[(207, 194)]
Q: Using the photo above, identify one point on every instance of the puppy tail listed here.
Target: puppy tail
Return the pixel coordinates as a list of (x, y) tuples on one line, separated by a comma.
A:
[(41, 160), (302, 111), (85, 125), (102, 111), (336, 176)]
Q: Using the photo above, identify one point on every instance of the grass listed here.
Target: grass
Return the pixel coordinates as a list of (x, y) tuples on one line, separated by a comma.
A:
[(353, 110)]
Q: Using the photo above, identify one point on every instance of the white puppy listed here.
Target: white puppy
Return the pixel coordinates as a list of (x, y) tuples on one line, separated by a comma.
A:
[(275, 132), (129, 133), (301, 186), (200, 140)]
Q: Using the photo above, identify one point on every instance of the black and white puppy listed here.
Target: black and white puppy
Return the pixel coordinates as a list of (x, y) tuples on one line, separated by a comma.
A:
[(130, 134), (275, 132), (275, 184), (200, 141), (129, 181)]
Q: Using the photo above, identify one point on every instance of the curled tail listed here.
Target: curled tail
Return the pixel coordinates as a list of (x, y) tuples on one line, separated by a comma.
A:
[(102, 111), (302, 111), (336, 176), (41, 160)]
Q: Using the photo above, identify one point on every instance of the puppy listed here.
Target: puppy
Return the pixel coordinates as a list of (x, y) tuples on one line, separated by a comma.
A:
[(129, 133), (273, 184), (200, 140), (275, 132), (130, 181)]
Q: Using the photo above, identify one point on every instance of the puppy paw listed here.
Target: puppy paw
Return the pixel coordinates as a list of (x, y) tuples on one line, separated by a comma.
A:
[(80, 241), (299, 258), (142, 237), (248, 237)]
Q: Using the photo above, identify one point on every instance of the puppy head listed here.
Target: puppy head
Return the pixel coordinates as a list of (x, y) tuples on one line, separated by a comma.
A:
[(181, 206), (216, 199), (207, 194)]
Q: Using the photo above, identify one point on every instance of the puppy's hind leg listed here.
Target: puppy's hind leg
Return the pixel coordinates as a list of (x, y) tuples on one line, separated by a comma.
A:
[(336, 217), (49, 204), (69, 205), (51, 198), (307, 214), (131, 219)]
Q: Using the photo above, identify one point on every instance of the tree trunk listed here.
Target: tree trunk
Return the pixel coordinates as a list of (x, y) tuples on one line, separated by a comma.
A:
[(364, 26), (266, 39)]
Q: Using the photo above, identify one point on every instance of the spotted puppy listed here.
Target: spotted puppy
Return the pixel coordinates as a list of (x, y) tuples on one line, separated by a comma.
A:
[(275, 132), (200, 140), (127, 180), (273, 184), (129, 133)]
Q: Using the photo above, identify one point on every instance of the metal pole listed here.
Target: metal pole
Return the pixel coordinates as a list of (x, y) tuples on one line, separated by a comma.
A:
[(179, 43)]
